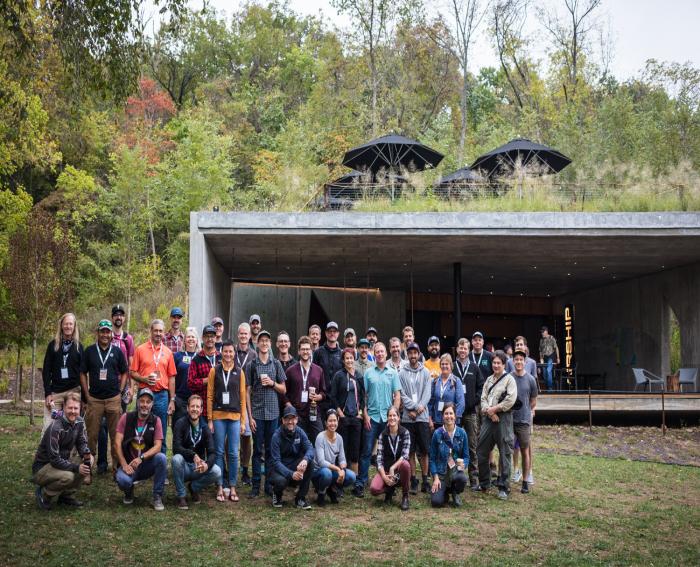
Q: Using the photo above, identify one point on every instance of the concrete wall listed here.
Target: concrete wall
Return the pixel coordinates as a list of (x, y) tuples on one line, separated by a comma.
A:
[(626, 325), (282, 307)]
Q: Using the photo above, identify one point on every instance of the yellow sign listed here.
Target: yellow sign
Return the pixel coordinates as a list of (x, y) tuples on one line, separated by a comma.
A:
[(569, 338)]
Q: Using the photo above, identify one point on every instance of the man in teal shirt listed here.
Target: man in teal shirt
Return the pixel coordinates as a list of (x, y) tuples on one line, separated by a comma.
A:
[(382, 388)]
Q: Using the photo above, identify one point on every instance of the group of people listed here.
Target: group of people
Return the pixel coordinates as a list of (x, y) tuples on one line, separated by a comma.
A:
[(310, 419)]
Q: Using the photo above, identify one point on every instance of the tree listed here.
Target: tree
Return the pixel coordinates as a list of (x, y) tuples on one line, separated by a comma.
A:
[(38, 277), (508, 19)]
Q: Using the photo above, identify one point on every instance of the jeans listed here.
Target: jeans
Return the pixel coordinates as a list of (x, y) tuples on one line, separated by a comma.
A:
[(156, 467), (279, 482), (227, 429), (102, 447), (160, 410), (367, 444), (548, 380), (263, 438), (181, 411), (184, 471), (323, 478), (471, 424)]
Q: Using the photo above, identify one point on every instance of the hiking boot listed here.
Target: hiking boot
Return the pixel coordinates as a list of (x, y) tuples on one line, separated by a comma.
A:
[(414, 485), (69, 501), (358, 492), (158, 503), (129, 496), (182, 503), (302, 504), (245, 477), (525, 489), (321, 500), (404, 502), (333, 496), (44, 502), (502, 495), (255, 492), (425, 487), (517, 475), (388, 495), (456, 500), (276, 500), (196, 498)]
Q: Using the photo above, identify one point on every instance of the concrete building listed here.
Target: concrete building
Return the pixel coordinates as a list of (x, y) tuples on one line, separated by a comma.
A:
[(622, 277)]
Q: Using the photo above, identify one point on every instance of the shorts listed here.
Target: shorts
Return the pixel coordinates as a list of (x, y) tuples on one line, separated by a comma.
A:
[(420, 436), (522, 434)]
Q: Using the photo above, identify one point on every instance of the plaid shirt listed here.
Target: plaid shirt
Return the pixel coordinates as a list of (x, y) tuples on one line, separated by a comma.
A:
[(263, 399), (175, 343), (385, 458), (199, 371)]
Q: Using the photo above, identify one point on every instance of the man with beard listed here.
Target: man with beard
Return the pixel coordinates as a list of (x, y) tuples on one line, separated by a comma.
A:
[(283, 343), (362, 362), (433, 362), (174, 339), (315, 336), (198, 373), (328, 358)]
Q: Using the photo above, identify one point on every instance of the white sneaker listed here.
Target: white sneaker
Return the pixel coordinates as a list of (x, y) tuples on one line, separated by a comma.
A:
[(517, 475), (530, 479)]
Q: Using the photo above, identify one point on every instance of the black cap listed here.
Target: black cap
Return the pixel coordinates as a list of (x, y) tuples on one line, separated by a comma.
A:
[(412, 346), (371, 330), (208, 330), (289, 410), (520, 352), (433, 339), (118, 308), (478, 334), (363, 342)]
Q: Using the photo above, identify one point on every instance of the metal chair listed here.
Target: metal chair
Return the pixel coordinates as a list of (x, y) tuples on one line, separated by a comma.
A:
[(688, 376), (643, 377)]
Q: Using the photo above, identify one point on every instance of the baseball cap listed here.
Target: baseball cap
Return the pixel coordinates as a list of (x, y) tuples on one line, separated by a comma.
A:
[(478, 334), (176, 312), (433, 339), (349, 331), (264, 333), (254, 317), (208, 330), (145, 392), (521, 353), (118, 308), (104, 324), (412, 346), (332, 325), (217, 321), (289, 410), (371, 330), (363, 342)]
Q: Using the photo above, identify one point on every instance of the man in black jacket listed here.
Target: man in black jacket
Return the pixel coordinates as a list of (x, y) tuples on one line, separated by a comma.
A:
[(327, 356), (292, 460), (193, 454), (54, 472)]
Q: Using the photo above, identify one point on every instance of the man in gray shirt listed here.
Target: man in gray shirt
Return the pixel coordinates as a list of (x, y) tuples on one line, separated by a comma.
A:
[(522, 411), (415, 395)]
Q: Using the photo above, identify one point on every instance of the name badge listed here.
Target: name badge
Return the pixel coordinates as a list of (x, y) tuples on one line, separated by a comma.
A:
[(187, 359), (440, 406), (103, 374), (312, 418), (414, 397), (304, 396), (64, 373), (225, 398)]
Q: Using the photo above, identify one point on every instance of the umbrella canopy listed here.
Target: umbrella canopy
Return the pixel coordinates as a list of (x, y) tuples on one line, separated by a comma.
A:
[(502, 160), (360, 177), (391, 152), (464, 175)]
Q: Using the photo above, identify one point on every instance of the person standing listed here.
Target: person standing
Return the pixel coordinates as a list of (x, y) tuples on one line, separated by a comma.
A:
[(415, 397), (393, 449), (183, 360), (61, 370), (549, 355), (305, 390), (53, 471), (396, 362), (200, 366), (138, 443), (218, 324), (372, 336), (153, 367), (497, 399), (530, 363), (445, 388), (315, 336), (479, 356), (327, 356), (522, 414), (350, 339), (382, 390), (330, 471), (103, 374), (245, 354), (432, 365), (449, 453), (174, 339), (266, 382), (363, 362), (255, 327), (283, 344), (226, 411)]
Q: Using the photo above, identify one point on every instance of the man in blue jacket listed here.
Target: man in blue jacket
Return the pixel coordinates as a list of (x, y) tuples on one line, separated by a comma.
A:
[(292, 460)]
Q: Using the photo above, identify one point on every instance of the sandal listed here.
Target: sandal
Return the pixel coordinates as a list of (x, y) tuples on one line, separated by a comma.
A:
[(220, 496), (234, 497)]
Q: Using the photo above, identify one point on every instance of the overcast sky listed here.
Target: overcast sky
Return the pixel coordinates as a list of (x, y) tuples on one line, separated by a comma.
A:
[(641, 29)]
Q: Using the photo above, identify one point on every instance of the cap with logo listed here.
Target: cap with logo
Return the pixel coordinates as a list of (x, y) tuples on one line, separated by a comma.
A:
[(371, 330), (412, 346), (104, 324), (118, 308), (217, 321), (478, 334), (289, 410), (264, 333), (208, 330), (145, 392), (254, 317), (332, 325), (433, 339), (349, 331), (176, 312)]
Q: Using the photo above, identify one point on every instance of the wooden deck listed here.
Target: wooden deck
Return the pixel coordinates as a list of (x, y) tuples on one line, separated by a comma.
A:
[(685, 403)]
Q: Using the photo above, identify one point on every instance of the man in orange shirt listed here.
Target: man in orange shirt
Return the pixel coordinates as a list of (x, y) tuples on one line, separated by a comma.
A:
[(153, 366)]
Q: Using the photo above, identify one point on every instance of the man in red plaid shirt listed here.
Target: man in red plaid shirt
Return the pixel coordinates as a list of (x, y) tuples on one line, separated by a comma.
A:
[(201, 364)]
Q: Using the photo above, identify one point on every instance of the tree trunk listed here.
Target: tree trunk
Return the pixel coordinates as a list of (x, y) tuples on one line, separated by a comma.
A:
[(463, 127), (32, 381), (18, 377)]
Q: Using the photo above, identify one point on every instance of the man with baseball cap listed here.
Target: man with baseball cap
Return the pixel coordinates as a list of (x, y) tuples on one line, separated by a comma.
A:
[(138, 445), (218, 324), (103, 375), (372, 336), (432, 365), (255, 327), (327, 356), (174, 339), (480, 356), (363, 362), (200, 365), (350, 339), (292, 460)]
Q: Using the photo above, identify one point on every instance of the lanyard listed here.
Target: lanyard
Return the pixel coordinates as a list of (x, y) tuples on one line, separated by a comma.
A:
[(226, 376), (354, 387), (139, 438), (462, 370), (443, 387), (196, 439), (304, 376), (212, 359), (156, 361), (99, 353), (65, 360), (238, 358), (474, 359), (393, 446)]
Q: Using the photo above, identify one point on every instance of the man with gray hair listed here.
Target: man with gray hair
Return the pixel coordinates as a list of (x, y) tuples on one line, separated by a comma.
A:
[(244, 355)]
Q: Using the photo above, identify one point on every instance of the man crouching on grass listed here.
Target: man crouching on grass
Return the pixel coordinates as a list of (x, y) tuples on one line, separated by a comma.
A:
[(54, 471)]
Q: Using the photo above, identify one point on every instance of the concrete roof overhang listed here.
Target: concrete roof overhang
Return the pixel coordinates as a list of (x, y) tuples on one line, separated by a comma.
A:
[(535, 254)]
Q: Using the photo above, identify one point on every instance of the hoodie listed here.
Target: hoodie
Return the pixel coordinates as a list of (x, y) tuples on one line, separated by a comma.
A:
[(415, 391)]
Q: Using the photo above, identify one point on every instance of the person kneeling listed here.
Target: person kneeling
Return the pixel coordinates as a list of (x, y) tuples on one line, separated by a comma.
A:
[(393, 449), (292, 460), (331, 466), (54, 472), (193, 454), (449, 454), (139, 438)]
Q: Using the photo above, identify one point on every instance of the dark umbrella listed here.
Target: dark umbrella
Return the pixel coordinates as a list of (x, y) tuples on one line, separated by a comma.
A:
[(502, 160), (359, 177), (462, 176), (391, 152)]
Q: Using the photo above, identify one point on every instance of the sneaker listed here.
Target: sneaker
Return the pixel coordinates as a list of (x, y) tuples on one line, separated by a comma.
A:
[(276, 500), (502, 495), (182, 503), (44, 502), (456, 500), (69, 501), (339, 491), (196, 498), (129, 496), (517, 475), (333, 496), (302, 504), (255, 492), (166, 482), (321, 500), (525, 489), (137, 482), (358, 492), (414, 485), (158, 503), (425, 487), (404, 502), (530, 479), (245, 477)]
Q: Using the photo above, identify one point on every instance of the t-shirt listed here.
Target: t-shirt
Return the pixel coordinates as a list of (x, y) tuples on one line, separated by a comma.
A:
[(182, 359), (380, 386), (148, 359), (329, 453), (125, 342), (104, 369), (135, 447), (433, 366), (527, 390)]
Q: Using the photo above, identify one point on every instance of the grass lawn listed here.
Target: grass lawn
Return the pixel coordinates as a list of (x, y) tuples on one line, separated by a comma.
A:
[(583, 510)]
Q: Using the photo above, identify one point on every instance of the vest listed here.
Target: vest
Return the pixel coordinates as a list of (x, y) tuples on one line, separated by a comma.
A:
[(130, 433), (234, 390)]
